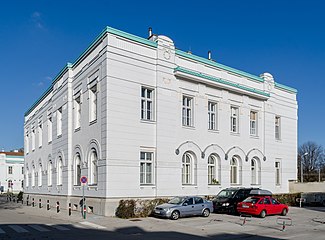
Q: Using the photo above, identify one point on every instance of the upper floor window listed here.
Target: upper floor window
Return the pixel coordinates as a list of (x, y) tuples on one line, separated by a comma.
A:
[(49, 129), (77, 112), (253, 123), (40, 134), (234, 120), (22, 170), (93, 103), (212, 115), (187, 114), (27, 143), (33, 139), (59, 121), (277, 127), (146, 167), (9, 169), (147, 103)]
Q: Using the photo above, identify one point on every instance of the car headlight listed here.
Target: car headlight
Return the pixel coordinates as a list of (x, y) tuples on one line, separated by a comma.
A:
[(225, 204)]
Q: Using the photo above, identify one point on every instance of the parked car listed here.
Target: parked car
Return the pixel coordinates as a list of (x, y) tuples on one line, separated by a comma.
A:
[(262, 206), (227, 199), (314, 198), (184, 206)]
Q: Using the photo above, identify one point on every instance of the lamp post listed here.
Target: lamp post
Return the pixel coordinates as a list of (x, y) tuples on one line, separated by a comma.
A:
[(301, 171)]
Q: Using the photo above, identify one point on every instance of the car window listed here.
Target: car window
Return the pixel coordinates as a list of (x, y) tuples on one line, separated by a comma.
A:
[(189, 201), (198, 200), (267, 201), (261, 201), (176, 200), (251, 200), (274, 201)]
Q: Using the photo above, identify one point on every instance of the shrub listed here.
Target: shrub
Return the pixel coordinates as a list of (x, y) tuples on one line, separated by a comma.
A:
[(20, 196), (125, 209)]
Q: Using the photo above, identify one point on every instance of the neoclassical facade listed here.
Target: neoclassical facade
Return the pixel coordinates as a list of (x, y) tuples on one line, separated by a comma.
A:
[(142, 119), (11, 172)]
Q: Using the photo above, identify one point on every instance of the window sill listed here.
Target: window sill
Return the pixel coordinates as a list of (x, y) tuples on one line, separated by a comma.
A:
[(148, 121), (49, 142), (59, 136), (254, 136), (213, 130), (92, 122), (147, 186), (40, 147), (77, 129), (235, 184), (188, 127), (237, 134), (92, 187), (77, 187)]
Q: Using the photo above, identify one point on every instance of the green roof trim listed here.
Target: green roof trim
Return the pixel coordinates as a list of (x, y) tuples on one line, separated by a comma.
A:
[(218, 65), (286, 88), (222, 81)]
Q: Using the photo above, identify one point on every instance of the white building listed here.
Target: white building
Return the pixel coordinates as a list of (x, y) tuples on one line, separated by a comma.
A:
[(11, 172), (142, 119)]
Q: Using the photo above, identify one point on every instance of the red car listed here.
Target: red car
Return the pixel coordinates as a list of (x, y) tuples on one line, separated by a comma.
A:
[(262, 206)]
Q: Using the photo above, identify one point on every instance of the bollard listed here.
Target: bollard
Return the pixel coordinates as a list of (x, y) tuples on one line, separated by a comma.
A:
[(57, 207), (40, 203), (33, 203), (48, 205), (284, 221), (85, 210), (27, 200), (69, 209), (245, 218)]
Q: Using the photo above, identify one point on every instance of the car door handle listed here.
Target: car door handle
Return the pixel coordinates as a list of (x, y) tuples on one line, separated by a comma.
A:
[(192, 206)]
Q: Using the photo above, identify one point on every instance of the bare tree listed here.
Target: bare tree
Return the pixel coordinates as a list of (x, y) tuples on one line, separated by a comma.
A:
[(313, 159)]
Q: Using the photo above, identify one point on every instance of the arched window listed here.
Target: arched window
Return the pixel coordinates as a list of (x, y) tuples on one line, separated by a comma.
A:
[(59, 171), (26, 177), (213, 169), (49, 174), (22, 184), (234, 170), (33, 176), (255, 171), (10, 184), (187, 169), (77, 170), (93, 161), (40, 175)]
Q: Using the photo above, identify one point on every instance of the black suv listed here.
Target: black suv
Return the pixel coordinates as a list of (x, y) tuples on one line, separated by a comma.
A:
[(227, 199)]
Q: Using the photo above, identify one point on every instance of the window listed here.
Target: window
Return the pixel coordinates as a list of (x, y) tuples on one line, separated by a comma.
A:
[(212, 170), (10, 184), (234, 120), (93, 103), (187, 116), (93, 161), (277, 173), (22, 184), (10, 170), (277, 127), (59, 122), (253, 172), (33, 140), (27, 178), (27, 143), (77, 170), (234, 170), (146, 167), (146, 104), (22, 170), (253, 123), (33, 176), (40, 176), (49, 129), (212, 115), (77, 112), (59, 171), (187, 169), (49, 174), (40, 134)]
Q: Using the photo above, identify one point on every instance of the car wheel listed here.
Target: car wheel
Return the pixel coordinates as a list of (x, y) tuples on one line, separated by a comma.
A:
[(263, 214), (284, 212), (175, 215), (206, 213)]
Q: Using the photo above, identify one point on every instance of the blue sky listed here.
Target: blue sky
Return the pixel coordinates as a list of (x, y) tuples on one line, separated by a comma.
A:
[(285, 38)]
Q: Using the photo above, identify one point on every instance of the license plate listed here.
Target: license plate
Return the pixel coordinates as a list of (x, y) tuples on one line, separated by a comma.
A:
[(245, 206)]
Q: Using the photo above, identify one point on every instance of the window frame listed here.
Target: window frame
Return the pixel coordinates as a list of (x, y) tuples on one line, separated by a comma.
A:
[(212, 115), (93, 102), (234, 119), (145, 161), (253, 123), (187, 111), (59, 122), (147, 104), (187, 169), (77, 112), (10, 170), (277, 125), (278, 173)]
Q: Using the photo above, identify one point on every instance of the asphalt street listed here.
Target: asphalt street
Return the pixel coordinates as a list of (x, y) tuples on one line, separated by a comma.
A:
[(19, 221)]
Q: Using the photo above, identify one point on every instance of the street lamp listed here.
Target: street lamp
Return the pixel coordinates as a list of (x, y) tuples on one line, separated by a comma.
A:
[(301, 171)]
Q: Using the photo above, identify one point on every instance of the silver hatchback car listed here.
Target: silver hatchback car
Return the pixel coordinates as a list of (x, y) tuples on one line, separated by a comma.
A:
[(184, 206)]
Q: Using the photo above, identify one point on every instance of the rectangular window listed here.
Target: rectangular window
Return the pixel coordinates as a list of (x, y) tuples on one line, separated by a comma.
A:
[(22, 170), (187, 114), (33, 140), (77, 112), (9, 169), (234, 122), (27, 143), (212, 115), (93, 103), (253, 123), (147, 104), (146, 168), (40, 134), (277, 127), (49, 129), (59, 122), (277, 173)]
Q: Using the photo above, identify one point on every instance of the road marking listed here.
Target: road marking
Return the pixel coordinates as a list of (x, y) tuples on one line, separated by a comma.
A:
[(1, 231), (18, 229), (92, 225), (39, 228), (61, 228)]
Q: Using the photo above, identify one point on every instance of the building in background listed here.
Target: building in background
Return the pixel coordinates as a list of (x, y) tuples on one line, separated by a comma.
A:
[(11, 171), (142, 119)]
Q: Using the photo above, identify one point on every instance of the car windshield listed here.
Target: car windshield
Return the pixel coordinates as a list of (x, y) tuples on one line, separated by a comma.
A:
[(226, 193), (176, 200), (251, 200)]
